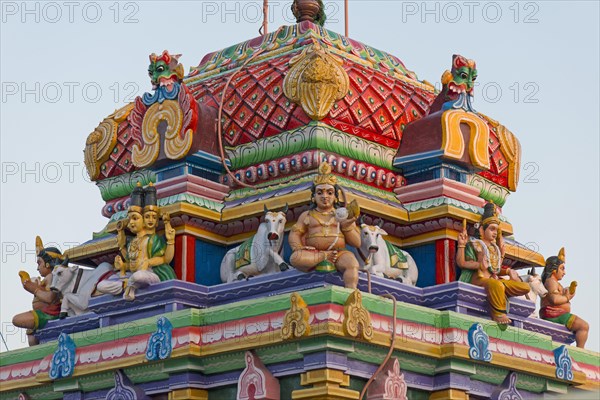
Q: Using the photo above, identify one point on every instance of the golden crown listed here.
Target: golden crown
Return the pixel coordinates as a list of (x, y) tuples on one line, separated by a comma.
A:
[(561, 254), (325, 176)]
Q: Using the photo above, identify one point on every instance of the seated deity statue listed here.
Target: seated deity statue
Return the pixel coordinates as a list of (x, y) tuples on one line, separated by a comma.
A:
[(46, 303), (145, 258), (556, 305), (319, 237), (480, 259)]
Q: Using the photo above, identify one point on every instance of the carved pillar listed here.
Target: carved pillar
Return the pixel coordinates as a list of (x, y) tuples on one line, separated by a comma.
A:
[(445, 271), (449, 394), (326, 386), (185, 257), (188, 394)]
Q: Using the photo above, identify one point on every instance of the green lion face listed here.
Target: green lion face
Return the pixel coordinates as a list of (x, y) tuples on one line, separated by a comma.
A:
[(159, 71), (463, 79), (165, 70)]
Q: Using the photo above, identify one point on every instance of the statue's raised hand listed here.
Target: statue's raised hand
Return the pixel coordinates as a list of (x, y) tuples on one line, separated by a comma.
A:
[(169, 230), (463, 237), (514, 275), (121, 238), (347, 223)]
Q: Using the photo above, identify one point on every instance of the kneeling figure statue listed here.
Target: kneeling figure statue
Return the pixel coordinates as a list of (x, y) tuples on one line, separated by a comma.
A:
[(556, 306)]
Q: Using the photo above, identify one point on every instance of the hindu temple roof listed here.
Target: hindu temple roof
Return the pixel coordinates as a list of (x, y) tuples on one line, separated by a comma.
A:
[(384, 96)]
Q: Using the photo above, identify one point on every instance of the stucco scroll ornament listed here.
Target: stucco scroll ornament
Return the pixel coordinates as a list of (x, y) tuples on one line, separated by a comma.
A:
[(63, 359), (159, 344), (101, 142), (169, 114), (479, 342), (316, 80), (357, 320), (295, 322)]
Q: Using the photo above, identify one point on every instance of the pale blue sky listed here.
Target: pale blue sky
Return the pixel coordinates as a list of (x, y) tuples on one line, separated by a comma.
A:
[(63, 70)]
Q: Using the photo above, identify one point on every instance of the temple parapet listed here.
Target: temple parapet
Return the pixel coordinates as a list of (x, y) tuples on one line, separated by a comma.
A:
[(169, 296), (225, 332)]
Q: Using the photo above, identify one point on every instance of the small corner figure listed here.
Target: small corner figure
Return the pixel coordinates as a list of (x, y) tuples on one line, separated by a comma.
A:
[(145, 258), (480, 259), (46, 303), (556, 306), (318, 240)]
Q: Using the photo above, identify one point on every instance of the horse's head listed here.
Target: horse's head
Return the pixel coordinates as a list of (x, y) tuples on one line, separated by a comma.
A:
[(369, 237), (275, 221), (62, 275)]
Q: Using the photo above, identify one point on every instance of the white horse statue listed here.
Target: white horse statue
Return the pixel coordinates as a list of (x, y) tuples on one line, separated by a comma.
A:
[(382, 258), (76, 286), (261, 254)]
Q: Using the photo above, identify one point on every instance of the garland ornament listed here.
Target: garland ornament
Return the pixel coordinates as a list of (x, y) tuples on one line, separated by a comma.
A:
[(316, 80), (357, 320), (295, 322), (479, 342)]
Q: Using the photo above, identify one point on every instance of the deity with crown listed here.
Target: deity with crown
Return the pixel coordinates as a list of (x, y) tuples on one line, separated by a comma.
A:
[(145, 258), (318, 240), (480, 259)]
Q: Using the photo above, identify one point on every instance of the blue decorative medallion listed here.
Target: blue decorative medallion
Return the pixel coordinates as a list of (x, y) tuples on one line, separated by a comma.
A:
[(508, 389), (478, 344), (63, 359), (124, 389), (159, 344), (564, 364)]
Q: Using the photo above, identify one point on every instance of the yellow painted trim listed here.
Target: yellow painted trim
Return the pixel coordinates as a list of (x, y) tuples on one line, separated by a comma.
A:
[(526, 255), (325, 391), (324, 375), (456, 350), (188, 394), (327, 384), (382, 339), (396, 214), (20, 384), (428, 237), (453, 144), (92, 249), (257, 207), (590, 386), (449, 394)]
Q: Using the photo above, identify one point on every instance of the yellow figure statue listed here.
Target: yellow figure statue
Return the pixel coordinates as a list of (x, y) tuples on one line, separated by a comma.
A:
[(46, 303), (556, 306), (145, 259), (481, 262), (318, 240)]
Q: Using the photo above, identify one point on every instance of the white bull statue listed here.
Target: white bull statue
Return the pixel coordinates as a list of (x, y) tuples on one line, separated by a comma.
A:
[(537, 289), (382, 258), (76, 286), (261, 254)]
